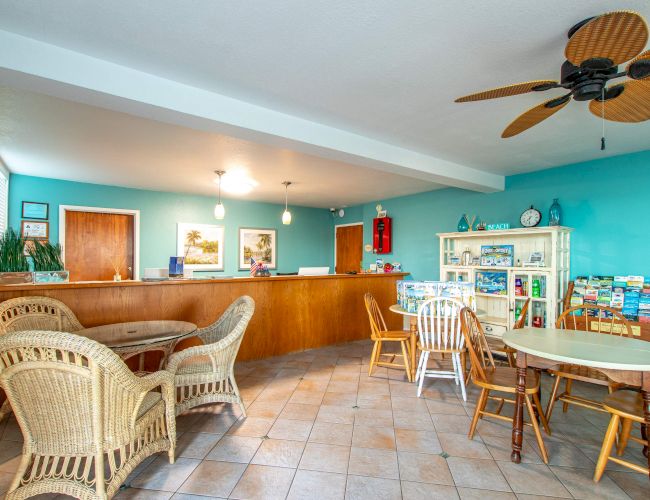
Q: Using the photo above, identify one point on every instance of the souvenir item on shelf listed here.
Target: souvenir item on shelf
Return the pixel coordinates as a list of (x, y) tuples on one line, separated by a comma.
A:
[(494, 283), (497, 226), (519, 288), (536, 259), (538, 319), (480, 226), (555, 214), (497, 255), (454, 261), (411, 294), (530, 217), (536, 289), (466, 258), (463, 224)]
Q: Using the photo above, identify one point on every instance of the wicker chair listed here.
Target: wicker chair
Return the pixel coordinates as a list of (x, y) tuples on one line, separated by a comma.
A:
[(87, 421), (34, 313), (204, 374), (614, 324)]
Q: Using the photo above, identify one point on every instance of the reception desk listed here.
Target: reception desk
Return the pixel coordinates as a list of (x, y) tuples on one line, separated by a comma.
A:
[(292, 313)]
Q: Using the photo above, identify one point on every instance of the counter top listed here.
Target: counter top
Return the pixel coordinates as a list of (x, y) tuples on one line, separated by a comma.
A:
[(172, 282)]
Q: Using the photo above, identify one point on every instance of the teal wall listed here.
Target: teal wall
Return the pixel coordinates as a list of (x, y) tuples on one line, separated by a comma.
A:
[(606, 201), (308, 241)]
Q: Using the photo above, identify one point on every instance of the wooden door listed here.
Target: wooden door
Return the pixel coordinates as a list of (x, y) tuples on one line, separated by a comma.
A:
[(97, 243), (349, 248)]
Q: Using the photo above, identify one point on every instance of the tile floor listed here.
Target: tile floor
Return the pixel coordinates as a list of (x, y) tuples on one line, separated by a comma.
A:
[(319, 428)]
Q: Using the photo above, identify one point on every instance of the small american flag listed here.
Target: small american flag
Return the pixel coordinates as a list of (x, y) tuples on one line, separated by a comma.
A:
[(255, 265)]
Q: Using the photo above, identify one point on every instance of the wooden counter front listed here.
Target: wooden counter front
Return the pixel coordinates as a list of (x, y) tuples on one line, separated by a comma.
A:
[(292, 313)]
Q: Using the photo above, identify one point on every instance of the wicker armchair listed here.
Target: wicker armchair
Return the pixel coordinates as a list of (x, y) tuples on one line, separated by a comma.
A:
[(87, 421), (34, 313), (204, 374)]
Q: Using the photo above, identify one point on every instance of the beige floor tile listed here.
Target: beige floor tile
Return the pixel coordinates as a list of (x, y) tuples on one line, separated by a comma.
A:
[(196, 444), (456, 424), (5, 481), (409, 404), (420, 420), (10, 454), (345, 377), (478, 474), (534, 479), (139, 494), (500, 448), (417, 441), (316, 385), (297, 411), (325, 458), (213, 424), (235, 449), (343, 386), (364, 488), (261, 482), (373, 462), (252, 427), (633, 483), (336, 414), (459, 445), (163, 476), (424, 468), (187, 496), (474, 494), (307, 397), (295, 430), (213, 478), (321, 485), (374, 402), (425, 491), (365, 436), (347, 399), (565, 454), (381, 418), (580, 484), (265, 409), (447, 406), (331, 433), (279, 453)]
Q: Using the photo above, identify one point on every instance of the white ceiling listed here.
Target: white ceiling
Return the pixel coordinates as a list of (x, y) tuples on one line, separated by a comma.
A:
[(384, 70)]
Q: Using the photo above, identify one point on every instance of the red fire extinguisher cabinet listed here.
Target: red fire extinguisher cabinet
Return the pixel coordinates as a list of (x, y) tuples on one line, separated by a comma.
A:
[(382, 234)]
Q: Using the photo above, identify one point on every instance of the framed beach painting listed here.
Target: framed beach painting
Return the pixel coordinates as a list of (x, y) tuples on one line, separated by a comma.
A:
[(201, 245), (261, 244)]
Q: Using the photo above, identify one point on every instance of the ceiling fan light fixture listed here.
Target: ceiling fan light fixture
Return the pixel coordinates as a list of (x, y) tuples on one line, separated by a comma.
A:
[(286, 215)]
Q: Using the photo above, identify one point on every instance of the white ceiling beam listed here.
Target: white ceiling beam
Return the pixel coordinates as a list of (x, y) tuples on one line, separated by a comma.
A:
[(28, 63)]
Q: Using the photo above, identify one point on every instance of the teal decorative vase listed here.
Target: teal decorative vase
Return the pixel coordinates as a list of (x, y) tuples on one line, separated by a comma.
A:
[(555, 214), (463, 224)]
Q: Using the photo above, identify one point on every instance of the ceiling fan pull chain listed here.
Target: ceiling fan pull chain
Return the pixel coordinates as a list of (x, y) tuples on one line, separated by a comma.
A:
[(602, 104)]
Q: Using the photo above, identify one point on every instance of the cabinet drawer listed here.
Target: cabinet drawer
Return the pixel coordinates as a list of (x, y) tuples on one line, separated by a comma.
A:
[(494, 330)]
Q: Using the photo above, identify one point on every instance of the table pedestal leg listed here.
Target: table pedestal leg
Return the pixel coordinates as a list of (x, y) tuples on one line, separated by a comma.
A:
[(518, 420), (645, 392), (414, 347)]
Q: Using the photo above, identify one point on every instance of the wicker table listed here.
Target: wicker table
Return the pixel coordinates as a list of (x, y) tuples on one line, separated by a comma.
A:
[(624, 360), (138, 337)]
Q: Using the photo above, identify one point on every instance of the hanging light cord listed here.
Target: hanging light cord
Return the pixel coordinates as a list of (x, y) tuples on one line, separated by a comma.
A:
[(220, 189), (602, 115), (286, 194)]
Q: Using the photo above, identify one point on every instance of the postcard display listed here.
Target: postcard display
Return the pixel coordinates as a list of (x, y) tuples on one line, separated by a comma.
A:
[(629, 295), (506, 267), (412, 294)]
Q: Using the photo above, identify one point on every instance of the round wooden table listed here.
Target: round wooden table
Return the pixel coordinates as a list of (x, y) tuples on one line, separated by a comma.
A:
[(136, 338), (622, 359), (413, 340)]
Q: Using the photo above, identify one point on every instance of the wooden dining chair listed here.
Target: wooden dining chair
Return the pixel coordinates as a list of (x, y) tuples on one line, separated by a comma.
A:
[(380, 334), (625, 407), (491, 378), (439, 332), (498, 347), (607, 321)]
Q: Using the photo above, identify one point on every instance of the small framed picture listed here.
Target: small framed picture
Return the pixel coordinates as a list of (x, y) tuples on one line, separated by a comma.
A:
[(36, 230), (260, 244), (381, 214), (36, 210)]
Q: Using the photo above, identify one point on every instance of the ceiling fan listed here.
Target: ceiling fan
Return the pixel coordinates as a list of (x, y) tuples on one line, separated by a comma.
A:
[(595, 48)]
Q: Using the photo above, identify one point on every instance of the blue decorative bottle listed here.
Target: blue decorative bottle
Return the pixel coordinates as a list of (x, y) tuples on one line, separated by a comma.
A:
[(555, 214), (463, 224)]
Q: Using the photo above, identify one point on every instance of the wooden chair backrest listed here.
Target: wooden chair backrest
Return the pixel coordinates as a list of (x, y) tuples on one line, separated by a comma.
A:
[(377, 323), (566, 301), (439, 324), (521, 320), (617, 324), (480, 355)]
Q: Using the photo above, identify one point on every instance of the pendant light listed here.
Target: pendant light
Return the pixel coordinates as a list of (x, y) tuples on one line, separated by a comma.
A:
[(219, 209), (286, 215)]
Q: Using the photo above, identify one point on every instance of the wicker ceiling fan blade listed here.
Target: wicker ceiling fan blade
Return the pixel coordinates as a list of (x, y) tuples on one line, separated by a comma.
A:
[(508, 90), (618, 36), (535, 115), (631, 105), (639, 67)]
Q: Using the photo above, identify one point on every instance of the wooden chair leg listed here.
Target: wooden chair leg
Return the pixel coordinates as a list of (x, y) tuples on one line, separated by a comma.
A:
[(372, 358), (480, 406), (624, 436), (540, 413), (405, 355), (567, 391), (538, 434), (608, 442), (552, 398), (512, 363)]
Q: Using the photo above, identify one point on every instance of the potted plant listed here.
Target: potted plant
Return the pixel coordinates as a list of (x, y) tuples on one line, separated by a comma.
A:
[(14, 268), (48, 266)]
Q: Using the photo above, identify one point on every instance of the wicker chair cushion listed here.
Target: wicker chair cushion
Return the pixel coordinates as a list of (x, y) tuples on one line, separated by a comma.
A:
[(149, 401)]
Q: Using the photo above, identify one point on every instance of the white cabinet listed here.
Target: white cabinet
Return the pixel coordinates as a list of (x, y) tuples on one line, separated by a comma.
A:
[(544, 285)]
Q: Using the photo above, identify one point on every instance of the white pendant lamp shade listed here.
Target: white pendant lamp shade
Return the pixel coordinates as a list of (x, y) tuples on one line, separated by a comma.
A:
[(286, 215), (219, 209)]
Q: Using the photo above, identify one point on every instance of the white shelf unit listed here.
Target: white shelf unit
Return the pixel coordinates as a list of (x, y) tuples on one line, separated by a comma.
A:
[(554, 242)]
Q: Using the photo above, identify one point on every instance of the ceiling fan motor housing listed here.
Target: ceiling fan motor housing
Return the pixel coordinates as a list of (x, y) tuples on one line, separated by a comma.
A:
[(587, 82)]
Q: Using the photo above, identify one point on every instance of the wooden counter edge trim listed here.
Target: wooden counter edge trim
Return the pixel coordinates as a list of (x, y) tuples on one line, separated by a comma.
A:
[(130, 283)]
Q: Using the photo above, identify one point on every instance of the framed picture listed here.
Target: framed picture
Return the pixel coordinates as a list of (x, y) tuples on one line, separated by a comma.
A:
[(37, 230), (261, 244), (201, 245), (36, 210)]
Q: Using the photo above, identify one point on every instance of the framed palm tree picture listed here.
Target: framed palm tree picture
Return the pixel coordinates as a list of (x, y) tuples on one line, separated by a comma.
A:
[(201, 245), (260, 244)]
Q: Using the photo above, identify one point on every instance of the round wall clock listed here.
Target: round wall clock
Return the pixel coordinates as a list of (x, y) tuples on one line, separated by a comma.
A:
[(531, 217)]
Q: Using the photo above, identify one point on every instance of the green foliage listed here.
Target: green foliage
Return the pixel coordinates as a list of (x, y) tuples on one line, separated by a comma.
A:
[(46, 257), (12, 256)]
